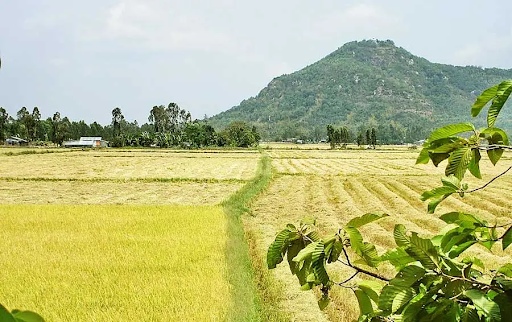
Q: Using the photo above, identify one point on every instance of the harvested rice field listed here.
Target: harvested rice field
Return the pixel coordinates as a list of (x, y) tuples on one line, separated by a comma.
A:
[(335, 186)]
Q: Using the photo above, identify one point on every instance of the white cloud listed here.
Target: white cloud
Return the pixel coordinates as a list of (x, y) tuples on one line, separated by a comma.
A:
[(487, 50), (359, 21), (158, 26)]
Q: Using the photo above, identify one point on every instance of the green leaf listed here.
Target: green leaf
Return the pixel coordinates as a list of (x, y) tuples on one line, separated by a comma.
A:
[(438, 157), (474, 164), (459, 249), (402, 298), (334, 251), (470, 315), (364, 219), (365, 304), (323, 302), (277, 249), (423, 250), (306, 252), (318, 263), (458, 162), (451, 181), (504, 301), (506, 270), (437, 192), (372, 289), (295, 247), (456, 287), (474, 261), (5, 315), (397, 257), (502, 94), (408, 276), (423, 157), (461, 219), (483, 99), (27, 316), (507, 238), (482, 303), (356, 239), (400, 235), (369, 254), (450, 130)]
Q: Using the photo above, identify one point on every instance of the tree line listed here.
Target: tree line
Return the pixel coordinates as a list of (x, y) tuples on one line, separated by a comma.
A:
[(168, 126), (340, 137)]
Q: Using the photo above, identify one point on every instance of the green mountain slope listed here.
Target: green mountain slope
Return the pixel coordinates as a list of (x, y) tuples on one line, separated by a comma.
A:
[(362, 85)]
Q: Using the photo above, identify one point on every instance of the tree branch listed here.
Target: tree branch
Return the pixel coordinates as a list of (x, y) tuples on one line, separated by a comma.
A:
[(488, 183)]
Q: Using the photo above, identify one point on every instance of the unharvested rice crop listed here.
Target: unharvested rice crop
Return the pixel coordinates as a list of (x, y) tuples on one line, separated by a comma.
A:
[(115, 263), (335, 186)]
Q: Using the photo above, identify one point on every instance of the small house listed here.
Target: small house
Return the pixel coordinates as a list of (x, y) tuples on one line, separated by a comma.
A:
[(86, 142), (14, 140)]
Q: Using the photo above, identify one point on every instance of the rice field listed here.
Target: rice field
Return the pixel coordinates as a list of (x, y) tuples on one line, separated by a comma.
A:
[(144, 234), (124, 235), (335, 186)]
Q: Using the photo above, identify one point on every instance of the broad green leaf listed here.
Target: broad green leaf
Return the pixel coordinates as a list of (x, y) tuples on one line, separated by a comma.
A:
[(451, 181), (27, 316), (369, 253), (372, 289), (494, 155), (397, 257), (474, 164), (309, 221), (306, 252), (423, 157), (502, 94), (458, 162), (461, 219), (333, 250), (314, 236), (323, 302), (402, 298), (450, 130), (483, 99), (506, 270), (364, 219), (5, 316), (423, 250), (470, 315), (401, 238), (318, 263), (356, 239), (295, 247), (456, 287), (438, 157), (408, 276), (437, 192), (365, 304), (507, 238), (482, 303), (475, 261), (495, 135), (277, 249), (459, 249), (504, 301)]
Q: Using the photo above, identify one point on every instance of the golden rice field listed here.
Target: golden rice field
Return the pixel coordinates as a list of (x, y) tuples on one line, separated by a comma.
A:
[(334, 186), (115, 263), (121, 235)]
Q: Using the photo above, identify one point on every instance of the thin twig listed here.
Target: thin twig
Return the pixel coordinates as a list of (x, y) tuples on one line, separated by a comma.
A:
[(348, 279), (488, 183)]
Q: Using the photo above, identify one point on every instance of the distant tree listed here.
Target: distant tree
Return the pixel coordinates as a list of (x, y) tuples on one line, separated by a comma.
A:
[(239, 134), (60, 128), (32, 123), (4, 117), (368, 137), (360, 139), (23, 118), (373, 138), (158, 117), (117, 117)]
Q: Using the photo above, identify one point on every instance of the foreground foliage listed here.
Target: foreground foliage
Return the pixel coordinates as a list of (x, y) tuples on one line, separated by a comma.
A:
[(435, 280)]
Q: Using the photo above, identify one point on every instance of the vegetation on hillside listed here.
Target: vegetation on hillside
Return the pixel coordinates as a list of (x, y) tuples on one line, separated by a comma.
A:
[(365, 84)]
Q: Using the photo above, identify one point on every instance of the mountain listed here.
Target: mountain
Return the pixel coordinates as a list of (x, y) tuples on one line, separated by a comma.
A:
[(366, 84)]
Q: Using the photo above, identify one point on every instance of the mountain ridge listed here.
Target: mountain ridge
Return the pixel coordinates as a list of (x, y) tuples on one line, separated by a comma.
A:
[(366, 84)]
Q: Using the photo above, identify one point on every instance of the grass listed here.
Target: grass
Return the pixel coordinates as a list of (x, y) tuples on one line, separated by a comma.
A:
[(115, 263), (250, 301)]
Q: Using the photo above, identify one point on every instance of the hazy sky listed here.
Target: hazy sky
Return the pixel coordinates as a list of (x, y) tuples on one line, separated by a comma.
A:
[(83, 58)]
